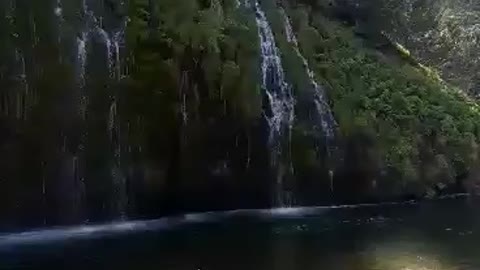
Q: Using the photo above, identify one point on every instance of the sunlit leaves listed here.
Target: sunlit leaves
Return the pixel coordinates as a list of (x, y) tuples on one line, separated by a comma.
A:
[(406, 105)]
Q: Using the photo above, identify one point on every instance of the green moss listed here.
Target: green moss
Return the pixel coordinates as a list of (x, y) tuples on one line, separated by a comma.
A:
[(206, 53), (402, 50), (406, 107)]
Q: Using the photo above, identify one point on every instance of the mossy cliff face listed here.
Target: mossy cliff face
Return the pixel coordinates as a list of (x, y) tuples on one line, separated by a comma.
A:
[(112, 110), (442, 34)]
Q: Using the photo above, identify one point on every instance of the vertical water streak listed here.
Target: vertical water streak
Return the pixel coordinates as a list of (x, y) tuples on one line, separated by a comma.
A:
[(116, 47), (79, 182), (84, 7), (81, 58), (114, 54), (112, 114), (184, 109), (279, 94), (44, 195), (35, 37), (105, 38), (58, 9), (322, 107), (120, 199), (291, 38), (279, 111), (118, 42), (183, 97), (81, 61), (22, 91), (79, 161), (325, 115)]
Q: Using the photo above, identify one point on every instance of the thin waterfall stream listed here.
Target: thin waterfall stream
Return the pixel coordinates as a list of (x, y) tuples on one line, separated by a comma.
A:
[(324, 113), (113, 41), (279, 110)]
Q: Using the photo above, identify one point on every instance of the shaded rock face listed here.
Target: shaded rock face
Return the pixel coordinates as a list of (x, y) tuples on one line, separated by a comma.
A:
[(71, 151), (442, 34), (60, 71)]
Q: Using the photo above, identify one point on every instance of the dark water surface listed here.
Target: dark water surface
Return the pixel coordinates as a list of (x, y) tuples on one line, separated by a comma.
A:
[(431, 235)]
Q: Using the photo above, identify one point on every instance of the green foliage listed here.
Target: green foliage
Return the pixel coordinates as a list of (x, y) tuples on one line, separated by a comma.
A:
[(406, 107), (198, 58), (292, 64)]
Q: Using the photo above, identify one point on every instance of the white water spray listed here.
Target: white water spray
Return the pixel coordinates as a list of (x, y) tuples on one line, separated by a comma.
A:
[(105, 38), (81, 57), (118, 41), (280, 111), (58, 10)]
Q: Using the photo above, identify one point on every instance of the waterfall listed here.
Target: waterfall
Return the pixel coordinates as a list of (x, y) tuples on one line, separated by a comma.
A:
[(291, 38), (117, 38), (58, 9), (279, 110), (115, 68), (119, 181), (105, 38), (325, 116), (81, 80), (324, 113), (81, 57), (41, 42), (112, 39), (21, 94), (184, 109), (78, 161)]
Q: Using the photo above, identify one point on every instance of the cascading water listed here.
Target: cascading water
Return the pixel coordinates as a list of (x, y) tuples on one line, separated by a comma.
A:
[(112, 42), (324, 113), (81, 57), (21, 93), (82, 165), (81, 64), (60, 69), (58, 9), (184, 109), (119, 181), (117, 41), (279, 108), (115, 70)]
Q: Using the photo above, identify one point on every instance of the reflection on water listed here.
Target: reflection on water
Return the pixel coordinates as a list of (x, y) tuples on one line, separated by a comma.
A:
[(412, 254), (440, 235)]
